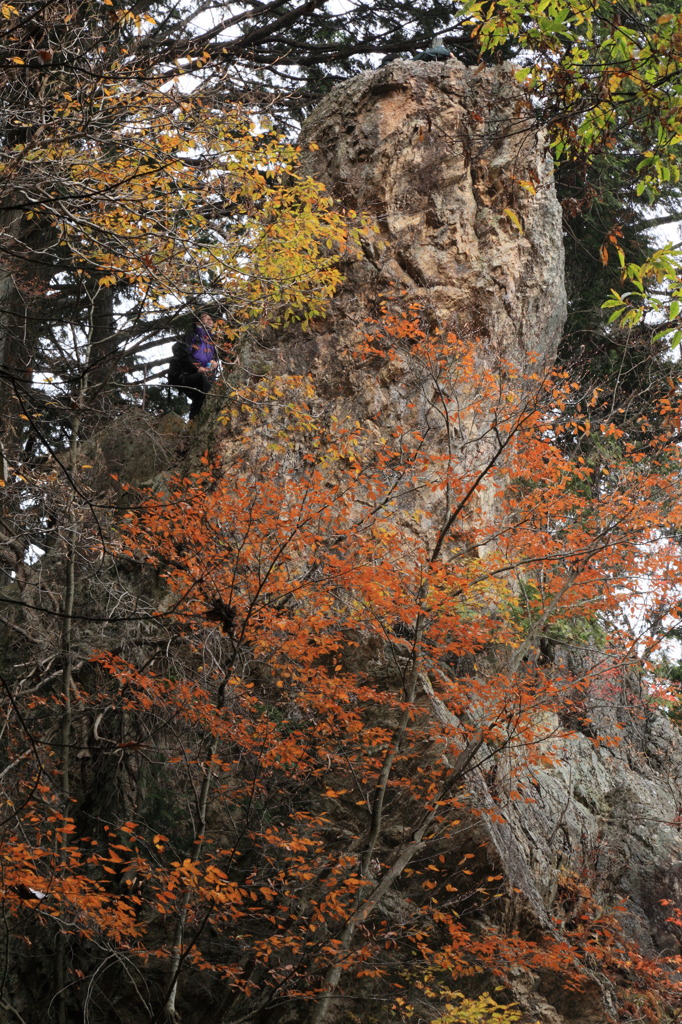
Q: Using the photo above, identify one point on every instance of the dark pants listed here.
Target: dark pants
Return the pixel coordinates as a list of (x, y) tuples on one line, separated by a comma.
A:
[(196, 386)]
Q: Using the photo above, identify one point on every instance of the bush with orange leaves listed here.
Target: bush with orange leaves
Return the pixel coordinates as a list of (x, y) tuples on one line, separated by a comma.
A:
[(356, 615)]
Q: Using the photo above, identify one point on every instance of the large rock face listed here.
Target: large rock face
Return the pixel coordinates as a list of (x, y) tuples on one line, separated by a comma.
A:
[(449, 163)]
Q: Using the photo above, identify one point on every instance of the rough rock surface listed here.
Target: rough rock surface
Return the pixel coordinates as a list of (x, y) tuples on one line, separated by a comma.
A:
[(611, 812), (605, 817), (136, 447), (449, 163)]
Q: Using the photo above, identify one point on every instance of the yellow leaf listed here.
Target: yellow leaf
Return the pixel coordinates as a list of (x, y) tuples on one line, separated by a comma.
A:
[(513, 217), (16, 60)]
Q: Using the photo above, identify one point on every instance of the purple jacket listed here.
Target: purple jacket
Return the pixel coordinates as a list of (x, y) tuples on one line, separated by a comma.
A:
[(201, 347)]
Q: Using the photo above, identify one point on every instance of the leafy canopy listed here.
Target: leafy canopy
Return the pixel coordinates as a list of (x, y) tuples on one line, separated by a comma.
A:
[(606, 76)]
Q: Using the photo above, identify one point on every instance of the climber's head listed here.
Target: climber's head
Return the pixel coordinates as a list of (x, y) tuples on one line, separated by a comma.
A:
[(204, 318)]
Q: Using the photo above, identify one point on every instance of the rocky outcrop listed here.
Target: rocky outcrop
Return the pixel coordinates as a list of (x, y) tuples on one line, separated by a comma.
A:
[(609, 811), (449, 166)]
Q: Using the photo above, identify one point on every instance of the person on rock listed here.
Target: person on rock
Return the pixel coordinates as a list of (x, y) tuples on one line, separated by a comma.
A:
[(194, 363)]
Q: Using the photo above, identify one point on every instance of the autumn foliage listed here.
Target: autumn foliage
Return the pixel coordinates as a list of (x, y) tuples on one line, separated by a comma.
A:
[(138, 209), (259, 727), (354, 619)]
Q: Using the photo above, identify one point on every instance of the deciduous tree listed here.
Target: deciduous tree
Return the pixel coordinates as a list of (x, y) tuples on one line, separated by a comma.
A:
[(347, 632)]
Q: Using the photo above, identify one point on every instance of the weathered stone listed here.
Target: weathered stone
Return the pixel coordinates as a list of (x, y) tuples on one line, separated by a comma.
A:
[(450, 168), (134, 448), (605, 818), (608, 814), (449, 163)]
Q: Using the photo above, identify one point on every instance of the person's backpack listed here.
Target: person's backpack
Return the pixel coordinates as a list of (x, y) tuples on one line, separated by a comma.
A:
[(180, 362)]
